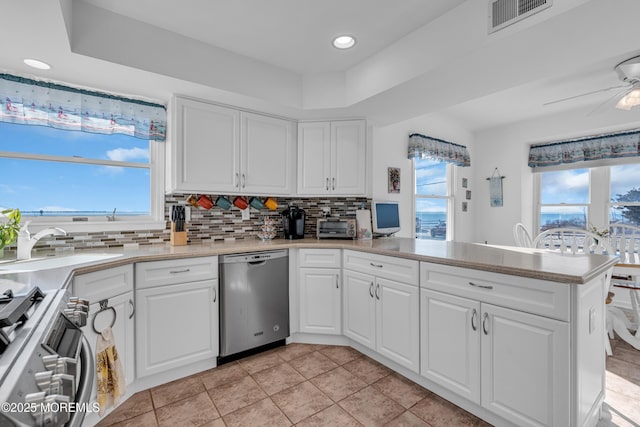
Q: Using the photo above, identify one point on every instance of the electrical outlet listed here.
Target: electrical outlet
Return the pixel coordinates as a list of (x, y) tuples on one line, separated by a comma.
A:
[(246, 214), (326, 211)]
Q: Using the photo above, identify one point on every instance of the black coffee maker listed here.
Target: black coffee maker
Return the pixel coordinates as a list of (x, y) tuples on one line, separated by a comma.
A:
[(293, 222)]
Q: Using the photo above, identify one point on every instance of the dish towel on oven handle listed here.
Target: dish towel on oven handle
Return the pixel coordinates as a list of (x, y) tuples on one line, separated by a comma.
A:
[(109, 373)]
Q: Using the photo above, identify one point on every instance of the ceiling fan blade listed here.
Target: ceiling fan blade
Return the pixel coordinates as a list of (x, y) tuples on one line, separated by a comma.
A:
[(615, 98), (586, 94)]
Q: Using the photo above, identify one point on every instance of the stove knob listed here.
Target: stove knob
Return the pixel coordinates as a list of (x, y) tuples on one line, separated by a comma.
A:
[(50, 362), (65, 384), (67, 365), (43, 380)]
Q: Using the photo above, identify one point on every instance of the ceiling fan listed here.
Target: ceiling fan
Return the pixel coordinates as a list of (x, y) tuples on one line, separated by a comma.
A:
[(629, 95)]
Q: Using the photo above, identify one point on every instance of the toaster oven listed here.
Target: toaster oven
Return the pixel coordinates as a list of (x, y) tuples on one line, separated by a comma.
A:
[(336, 228)]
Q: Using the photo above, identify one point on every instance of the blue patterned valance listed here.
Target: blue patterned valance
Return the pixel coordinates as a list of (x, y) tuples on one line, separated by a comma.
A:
[(34, 102), (609, 146), (426, 147)]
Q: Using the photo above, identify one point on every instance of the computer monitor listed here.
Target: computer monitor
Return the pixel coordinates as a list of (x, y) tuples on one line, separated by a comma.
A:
[(386, 217)]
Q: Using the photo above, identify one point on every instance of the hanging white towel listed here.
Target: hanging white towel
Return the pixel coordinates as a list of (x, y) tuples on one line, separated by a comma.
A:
[(109, 373)]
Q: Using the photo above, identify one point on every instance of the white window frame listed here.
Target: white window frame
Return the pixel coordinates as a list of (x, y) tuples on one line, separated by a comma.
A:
[(154, 221), (450, 197)]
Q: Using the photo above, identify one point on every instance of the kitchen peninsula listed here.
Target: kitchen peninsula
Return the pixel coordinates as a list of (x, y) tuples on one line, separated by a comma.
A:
[(513, 335)]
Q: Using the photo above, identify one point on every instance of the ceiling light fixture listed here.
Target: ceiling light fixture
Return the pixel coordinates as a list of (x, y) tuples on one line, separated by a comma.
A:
[(37, 64), (630, 100), (344, 42)]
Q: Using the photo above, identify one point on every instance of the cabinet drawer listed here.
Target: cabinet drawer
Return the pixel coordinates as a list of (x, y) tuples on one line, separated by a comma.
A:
[(399, 269), (160, 273), (319, 258), (540, 297), (104, 284)]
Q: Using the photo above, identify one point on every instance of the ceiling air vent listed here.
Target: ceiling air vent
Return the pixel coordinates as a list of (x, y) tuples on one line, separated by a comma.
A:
[(503, 13)]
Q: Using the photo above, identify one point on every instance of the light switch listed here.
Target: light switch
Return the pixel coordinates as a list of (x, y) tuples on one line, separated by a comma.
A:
[(246, 214)]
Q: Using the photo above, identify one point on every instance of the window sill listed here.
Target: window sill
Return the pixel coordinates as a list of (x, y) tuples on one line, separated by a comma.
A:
[(95, 226)]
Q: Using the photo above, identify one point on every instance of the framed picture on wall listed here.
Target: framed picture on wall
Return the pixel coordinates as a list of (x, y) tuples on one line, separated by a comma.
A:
[(393, 180)]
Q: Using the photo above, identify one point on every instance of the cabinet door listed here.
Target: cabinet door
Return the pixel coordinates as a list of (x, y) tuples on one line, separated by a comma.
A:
[(123, 330), (398, 322), (359, 308), (348, 157), (525, 367), (314, 154), (176, 325), (205, 153), (320, 301), (267, 154), (450, 342)]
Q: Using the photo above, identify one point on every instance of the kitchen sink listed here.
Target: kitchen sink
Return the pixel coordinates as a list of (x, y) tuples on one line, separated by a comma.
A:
[(44, 263)]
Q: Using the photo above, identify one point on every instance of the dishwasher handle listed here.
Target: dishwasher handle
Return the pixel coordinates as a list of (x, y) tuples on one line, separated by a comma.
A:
[(257, 263)]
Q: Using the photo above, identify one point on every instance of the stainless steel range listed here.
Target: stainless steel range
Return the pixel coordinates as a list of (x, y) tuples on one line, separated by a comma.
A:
[(46, 365)]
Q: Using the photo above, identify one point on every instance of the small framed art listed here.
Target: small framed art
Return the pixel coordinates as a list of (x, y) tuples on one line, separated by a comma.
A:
[(394, 180)]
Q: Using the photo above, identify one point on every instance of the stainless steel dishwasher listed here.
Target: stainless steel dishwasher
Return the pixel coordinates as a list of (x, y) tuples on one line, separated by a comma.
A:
[(254, 300)]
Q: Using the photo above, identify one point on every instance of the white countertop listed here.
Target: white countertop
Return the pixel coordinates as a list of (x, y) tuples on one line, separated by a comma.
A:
[(525, 262)]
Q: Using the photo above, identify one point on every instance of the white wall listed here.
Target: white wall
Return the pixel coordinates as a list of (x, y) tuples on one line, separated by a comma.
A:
[(507, 148), (390, 150)]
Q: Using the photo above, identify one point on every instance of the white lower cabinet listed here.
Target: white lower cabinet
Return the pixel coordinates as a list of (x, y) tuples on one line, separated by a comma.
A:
[(515, 364), (320, 301), (177, 322), (383, 315), (320, 290)]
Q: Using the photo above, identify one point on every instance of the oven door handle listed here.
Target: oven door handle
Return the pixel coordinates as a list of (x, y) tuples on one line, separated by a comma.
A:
[(85, 384)]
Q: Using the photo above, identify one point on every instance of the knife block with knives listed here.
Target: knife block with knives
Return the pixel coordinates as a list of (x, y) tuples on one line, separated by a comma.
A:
[(178, 235)]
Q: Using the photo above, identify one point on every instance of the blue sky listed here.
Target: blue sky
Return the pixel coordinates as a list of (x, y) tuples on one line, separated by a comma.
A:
[(35, 185)]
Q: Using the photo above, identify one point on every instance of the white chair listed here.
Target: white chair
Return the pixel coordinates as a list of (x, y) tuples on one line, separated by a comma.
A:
[(522, 236), (625, 241), (576, 241)]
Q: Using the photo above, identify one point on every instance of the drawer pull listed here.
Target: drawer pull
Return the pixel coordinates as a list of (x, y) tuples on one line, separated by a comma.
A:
[(337, 279), (186, 270), (378, 291), (481, 286), (327, 184), (215, 295), (484, 323), (474, 316), (371, 290), (133, 309), (376, 265)]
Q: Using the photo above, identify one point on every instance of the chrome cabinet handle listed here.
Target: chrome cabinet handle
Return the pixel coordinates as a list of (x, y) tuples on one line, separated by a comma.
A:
[(376, 265), (333, 183), (327, 183), (371, 290), (378, 291), (244, 180), (133, 308), (484, 323), (337, 279), (236, 182), (186, 270), (474, 315), (215, 295), (481, 286)]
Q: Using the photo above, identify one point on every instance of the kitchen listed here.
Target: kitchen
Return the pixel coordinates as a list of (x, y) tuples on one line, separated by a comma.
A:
[(279, 94)]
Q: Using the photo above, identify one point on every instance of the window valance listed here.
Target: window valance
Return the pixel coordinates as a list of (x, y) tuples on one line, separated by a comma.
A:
[(598, 147), (425, 147), (34, 102)]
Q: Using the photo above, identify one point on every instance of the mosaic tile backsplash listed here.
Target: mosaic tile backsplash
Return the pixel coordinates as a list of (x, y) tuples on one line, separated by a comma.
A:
[(205, 226)]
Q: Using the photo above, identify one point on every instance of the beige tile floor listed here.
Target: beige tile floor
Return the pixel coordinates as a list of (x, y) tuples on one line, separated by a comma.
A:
[(312, 385)]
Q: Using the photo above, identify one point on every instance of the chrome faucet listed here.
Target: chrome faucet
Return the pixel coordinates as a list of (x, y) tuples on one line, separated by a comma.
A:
[(26, 242)]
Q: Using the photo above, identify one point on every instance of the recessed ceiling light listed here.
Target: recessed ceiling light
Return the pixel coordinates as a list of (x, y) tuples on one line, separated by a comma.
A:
[(344, 42), (37, 64)]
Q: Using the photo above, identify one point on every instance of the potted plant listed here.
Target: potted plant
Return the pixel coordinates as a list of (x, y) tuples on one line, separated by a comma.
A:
[(9, 227)]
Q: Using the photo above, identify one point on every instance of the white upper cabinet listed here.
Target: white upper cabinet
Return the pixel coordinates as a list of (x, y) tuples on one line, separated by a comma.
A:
[(331, 158), (205, 154), (222, 150), (267, 155)]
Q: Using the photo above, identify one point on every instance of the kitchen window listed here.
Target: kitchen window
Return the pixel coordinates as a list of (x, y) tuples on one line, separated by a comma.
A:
[(589, 197), (433, 199), (81, 181)]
